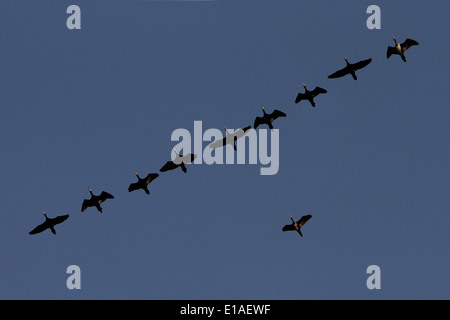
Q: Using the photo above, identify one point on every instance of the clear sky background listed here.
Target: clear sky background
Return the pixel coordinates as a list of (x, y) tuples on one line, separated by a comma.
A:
[(87, 108)]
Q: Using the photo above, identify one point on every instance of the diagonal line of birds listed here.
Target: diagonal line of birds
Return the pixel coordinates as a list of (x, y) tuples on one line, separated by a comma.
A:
[(267, 119)]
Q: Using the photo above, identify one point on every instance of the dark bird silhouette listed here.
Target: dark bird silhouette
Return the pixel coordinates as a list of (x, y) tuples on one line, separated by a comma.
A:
[(296, 225), (268, 118), (143, 183), (350, 68), (400, 48), (179, 161), (310, 95), (95, 201), (230, 138), (49, 223)]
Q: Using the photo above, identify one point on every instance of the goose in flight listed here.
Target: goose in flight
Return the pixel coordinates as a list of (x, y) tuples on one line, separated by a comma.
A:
[(400, 48), (310, 95), (143, 183), (95, 201), (296, 225), (49, 223), (350, 68), (268, 118)]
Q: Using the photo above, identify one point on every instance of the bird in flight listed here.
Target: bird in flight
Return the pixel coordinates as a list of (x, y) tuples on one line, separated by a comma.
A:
[(400, 48), (350, 68), (49, 223), (268, 118), (143, 182), (230, 138), (310, 95), (95, 201), (296, 225), (179, 161)]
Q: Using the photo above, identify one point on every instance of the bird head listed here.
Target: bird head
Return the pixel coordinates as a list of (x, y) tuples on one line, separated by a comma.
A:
[(90, 190), (394, 38), (345, 58), (137, 175), (304, 85)]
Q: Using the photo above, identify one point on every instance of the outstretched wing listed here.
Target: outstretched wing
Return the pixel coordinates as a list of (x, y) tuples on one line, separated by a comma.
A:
[(258, 121), (408, 43), (317, 91), (218, 143), (361, 64), (339, 73), (240, 132), (40, 228), (59, 219), (188, 158), (170, 165), (105, 195), (87, 203), (289, 227), (303, 220), (150, 177), (300, 97), (390, 51), (134, 186), (276, 114)]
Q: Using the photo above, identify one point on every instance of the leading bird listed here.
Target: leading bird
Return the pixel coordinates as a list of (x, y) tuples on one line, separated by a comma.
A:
[(49, 223), (296, 225)]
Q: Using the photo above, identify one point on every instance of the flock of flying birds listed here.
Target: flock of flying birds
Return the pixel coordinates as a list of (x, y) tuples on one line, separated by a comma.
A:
[(267, 118)]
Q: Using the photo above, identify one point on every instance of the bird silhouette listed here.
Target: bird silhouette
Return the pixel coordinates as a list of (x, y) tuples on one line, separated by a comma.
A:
[(95, 201), (179, 161), (49, 223), (230, 138), (400, 48), (296, 225), (143, 183), (310, 95), (268, 118), (350, 68)]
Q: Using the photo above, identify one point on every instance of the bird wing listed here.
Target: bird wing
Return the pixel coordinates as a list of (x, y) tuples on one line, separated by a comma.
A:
[(339, 73), (258, 121), (317, 91), (86, 203), (361, 64), (276, 114), (408, 43), (104, 195), (303, 220), (134, 186), (218, 143), (300, 97), (59, 219), (240, 132), (150, 177), (40, 228), (390, 51), (170, 165), (289, 227), (188, 158)]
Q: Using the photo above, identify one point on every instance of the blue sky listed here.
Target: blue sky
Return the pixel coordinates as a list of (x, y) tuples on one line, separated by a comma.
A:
[(87, 108)]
